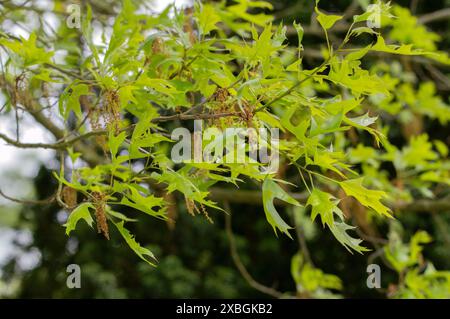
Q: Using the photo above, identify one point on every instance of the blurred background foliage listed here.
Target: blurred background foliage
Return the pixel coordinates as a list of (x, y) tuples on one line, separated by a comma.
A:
[(194, 255)]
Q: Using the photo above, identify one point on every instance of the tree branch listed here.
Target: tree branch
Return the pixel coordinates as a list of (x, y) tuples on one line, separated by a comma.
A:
[(254, 197), (186, 117), (66, 143), (46, 201), (435, 16)]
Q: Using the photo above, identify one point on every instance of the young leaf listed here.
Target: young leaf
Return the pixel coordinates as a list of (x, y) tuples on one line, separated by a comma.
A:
[(119, 215), (325, 205), (271, 190), (149, 204), (358, 54), (300, 33), (143, 253), (81, 212), (405, 49), (326, 20), (415, 246), (363, 120), (367, 197), (207, 17), (297, 120), (70, 100), (310, 279), (114, 142), (28, 51), (339, 230)]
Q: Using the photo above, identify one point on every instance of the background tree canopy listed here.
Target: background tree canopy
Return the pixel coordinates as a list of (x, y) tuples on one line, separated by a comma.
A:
[(358, 91)]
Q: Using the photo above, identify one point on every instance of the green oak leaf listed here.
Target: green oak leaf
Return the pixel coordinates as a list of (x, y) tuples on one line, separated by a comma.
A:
[(339, 230), (271, 190), (404, 49), (207, 18), (143, 253), (326, 20), (81, 212), (325, 205), (367, 197)]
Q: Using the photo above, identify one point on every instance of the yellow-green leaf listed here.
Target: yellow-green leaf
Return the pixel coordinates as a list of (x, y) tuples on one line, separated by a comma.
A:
[(207, 17), (271, 190), (326, 20), (81, 212), (404, 49), (325, 205), (339, 230), (367, 197), (143, 253)]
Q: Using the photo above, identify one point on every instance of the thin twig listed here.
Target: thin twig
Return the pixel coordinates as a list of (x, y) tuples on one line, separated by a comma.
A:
[(60, 184), (293, 87), (237, 260), (46, 201)]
